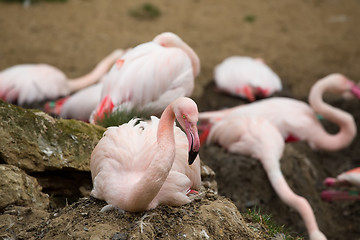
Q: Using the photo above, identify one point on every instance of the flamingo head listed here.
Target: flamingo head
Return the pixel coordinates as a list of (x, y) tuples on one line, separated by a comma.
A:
[(169, 39), (186, 113), (355, 89), (329, 182), (339, 83)]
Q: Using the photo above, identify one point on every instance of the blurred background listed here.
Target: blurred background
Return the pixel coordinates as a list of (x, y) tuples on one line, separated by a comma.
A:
[(300, 40)]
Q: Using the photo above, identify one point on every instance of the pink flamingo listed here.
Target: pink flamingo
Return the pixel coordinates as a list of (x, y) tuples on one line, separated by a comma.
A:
[(297, 120), (30, 83), (136, 167), (150, 76), (246, 77), (348, 178), (78, 106), (259, 138)]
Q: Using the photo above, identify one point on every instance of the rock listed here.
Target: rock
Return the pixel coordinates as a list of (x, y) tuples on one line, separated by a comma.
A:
[(211, 217), (35, 142), (208, 177), (18, 188)]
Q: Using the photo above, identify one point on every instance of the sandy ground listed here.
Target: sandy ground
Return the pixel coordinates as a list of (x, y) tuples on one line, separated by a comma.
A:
[(302, 41)]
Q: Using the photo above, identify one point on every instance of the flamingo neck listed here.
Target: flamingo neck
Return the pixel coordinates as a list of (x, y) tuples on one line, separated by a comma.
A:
[(293, 200), (95, 75), (195, 61), (341, 118), (154, 177)]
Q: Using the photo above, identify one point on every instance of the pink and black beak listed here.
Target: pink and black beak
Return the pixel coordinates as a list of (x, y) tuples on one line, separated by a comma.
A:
[(194, 141)]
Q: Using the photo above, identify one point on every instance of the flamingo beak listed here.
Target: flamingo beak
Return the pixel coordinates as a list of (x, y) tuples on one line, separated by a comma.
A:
[(355, 90), (194, 141)]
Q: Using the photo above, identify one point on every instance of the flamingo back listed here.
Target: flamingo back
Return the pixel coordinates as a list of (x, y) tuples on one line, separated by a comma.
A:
[(249, 135), (236, 72), (147, 73), (28, 83)]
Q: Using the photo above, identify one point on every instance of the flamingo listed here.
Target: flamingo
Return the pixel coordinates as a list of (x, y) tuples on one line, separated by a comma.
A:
[(78, 106), (246, 77), (31, 83), (149, 77), (259, 138), (297, 120), (348, 178), (136, 167)]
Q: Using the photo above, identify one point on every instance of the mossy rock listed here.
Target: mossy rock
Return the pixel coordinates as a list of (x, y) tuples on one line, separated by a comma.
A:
[(35, 142)]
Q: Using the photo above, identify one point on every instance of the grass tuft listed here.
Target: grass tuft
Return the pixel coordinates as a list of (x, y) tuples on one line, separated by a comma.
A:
[(119, 117), (249, 18), (145, 11), (272, 229)]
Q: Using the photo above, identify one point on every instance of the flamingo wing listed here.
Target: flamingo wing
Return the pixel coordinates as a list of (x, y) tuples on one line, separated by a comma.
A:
[(149, 81), (81, 104), (29, 83)]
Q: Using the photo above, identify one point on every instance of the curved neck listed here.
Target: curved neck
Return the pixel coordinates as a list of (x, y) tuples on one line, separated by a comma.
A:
[(146, 189), (195, 61), (293, 200), (343, 119), (95, 75)]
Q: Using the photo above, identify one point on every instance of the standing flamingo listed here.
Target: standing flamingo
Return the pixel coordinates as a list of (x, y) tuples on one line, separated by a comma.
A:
[(259, 138), (136, 167), (297, 120), (246, 77), (348, 178), (149, 77), (30, 83)]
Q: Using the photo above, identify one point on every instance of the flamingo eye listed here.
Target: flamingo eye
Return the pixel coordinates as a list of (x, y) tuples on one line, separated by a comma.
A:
[(184, 117)]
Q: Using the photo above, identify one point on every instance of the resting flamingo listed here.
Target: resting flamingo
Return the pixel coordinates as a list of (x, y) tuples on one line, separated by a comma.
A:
[(246, 77), (78, 106), (149, 77), (31, 83), (297, 120), (136, 167), (259, 138), (346, 179)]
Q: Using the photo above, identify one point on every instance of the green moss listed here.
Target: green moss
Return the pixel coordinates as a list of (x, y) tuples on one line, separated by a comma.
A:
[(34, 141)]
